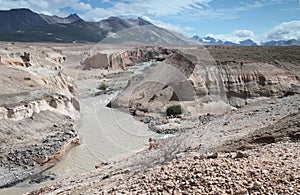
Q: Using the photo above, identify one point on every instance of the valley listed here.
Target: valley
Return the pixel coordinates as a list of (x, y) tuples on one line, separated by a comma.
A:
[(102, 103)]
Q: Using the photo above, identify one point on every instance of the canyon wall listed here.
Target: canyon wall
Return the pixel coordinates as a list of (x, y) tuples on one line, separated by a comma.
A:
[(193, 78), (122, 59), (39, 109)]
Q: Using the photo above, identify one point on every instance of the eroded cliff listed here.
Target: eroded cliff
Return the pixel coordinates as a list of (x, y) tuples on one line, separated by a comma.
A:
[(202, 84), (38, 110), (120, 60)]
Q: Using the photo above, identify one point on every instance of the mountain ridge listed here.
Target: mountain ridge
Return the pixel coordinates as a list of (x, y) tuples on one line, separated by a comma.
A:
[(27, 26), (56, 19), (246, 42)]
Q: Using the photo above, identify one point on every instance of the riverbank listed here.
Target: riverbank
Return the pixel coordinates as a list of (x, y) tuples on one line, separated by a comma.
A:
[(206, 142), (235, 150), (105, 134)]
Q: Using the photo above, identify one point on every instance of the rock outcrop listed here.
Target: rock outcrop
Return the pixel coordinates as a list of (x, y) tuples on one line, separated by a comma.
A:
[(39, 110), (123, 59), (194, 79)]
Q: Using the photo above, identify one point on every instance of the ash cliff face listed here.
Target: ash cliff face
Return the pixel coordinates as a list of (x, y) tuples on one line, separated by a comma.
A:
[(34, 84), (38, 110), (203, 84), (123, 59)]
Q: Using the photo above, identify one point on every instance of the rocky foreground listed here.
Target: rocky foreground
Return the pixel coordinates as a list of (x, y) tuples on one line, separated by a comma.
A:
[(271, 169), (263, 160)]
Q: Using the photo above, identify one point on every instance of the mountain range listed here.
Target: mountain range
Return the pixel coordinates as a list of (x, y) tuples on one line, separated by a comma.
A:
[(25, 25), (247, 42)]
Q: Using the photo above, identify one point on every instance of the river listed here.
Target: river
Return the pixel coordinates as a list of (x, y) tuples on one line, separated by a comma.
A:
[(106, 134)]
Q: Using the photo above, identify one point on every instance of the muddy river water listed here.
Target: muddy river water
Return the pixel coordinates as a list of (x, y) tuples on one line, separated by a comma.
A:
[(105, 133)]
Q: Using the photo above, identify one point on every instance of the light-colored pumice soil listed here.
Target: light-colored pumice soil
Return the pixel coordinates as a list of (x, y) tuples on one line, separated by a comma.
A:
[(238, 134), (39, 110)]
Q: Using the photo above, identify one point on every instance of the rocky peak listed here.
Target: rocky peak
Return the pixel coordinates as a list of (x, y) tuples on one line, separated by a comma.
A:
[(56, 19), (142, 22), (73, 18)]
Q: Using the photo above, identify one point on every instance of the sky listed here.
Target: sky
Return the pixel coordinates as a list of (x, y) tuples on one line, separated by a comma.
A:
[(228, 20)]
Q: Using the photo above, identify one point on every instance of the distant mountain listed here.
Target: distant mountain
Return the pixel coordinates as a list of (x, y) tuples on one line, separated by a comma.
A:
[(27, 26), (16, 19), (207, 40), (212, 41), (147, 34), (138, 31), (115, 24), (247, 42), (282, 43)]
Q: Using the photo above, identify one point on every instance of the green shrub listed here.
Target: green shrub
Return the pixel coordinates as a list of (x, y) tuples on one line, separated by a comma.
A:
[(174, 110), (102, 86)]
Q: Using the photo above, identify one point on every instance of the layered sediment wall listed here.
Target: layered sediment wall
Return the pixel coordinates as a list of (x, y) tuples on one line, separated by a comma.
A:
[(121, 60), (39, 110), (193, 78)]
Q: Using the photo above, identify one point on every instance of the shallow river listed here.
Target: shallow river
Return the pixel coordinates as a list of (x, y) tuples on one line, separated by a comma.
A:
[(106, 134)]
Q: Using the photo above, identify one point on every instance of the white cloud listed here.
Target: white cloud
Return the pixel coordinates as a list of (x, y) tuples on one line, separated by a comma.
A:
[(168, 26), (82, 6), (243, 34), (284, 31), (44, 6), (150, 8)]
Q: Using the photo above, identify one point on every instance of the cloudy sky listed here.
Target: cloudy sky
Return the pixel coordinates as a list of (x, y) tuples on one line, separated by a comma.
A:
[(231, 20)]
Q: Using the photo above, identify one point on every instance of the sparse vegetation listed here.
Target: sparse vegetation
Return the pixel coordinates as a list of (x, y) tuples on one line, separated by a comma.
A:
[(102, 86), (27, 78), (174, 110), (142, 95)]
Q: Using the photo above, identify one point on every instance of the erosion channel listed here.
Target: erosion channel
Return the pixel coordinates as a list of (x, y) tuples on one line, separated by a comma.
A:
[(106, 134)]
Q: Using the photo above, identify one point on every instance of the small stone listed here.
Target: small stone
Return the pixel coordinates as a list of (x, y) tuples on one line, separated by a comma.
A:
[(213, 155), (257, 185), (240, 155)]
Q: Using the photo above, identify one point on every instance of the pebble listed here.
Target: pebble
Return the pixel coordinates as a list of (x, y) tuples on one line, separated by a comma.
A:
[(222, 174)]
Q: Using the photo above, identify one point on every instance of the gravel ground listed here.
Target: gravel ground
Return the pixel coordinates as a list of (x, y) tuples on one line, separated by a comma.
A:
[(271, 169), (265, 135)]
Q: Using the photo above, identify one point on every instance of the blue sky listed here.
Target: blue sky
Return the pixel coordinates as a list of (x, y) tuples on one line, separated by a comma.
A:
[(231, 20)]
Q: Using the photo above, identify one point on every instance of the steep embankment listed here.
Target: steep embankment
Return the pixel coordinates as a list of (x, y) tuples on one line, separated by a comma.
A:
[(202, 84), (38, 110), (112, 59)]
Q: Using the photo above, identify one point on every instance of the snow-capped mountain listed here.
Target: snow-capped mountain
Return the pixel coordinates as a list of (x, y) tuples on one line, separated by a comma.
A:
[(247, 42)]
